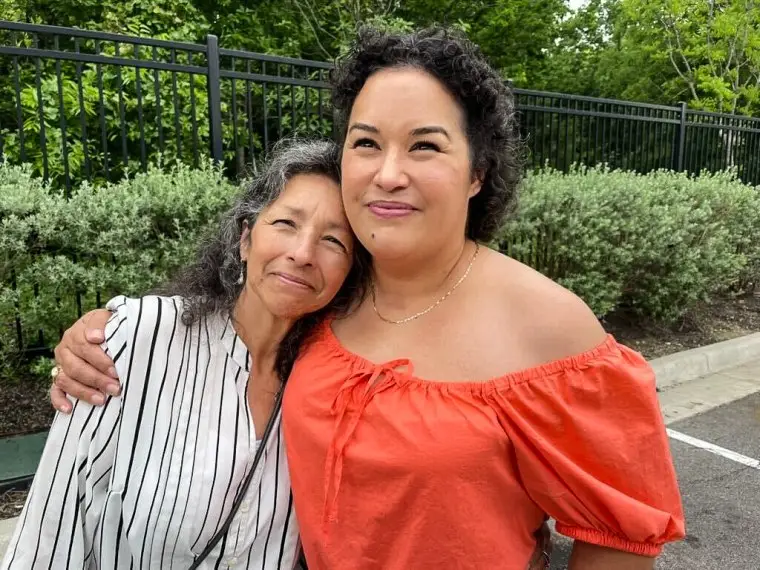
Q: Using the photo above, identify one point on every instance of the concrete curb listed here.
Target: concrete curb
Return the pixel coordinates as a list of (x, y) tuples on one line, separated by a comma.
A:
[(691, 364)]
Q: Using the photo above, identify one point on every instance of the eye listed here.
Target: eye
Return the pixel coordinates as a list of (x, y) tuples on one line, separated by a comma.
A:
[(284, 221), (336, 241), (426, 145), (364, 143)]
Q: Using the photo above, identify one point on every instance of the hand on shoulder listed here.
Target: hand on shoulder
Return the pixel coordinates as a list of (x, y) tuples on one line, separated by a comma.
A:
[(86, 372)]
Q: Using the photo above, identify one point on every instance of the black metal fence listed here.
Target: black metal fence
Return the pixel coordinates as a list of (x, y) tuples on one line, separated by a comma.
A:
[(565, 129), (88, 105)]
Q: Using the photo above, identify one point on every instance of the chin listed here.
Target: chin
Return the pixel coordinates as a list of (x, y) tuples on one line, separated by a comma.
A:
[(389, 243), (288, 307), (391, 251), (290, 312)]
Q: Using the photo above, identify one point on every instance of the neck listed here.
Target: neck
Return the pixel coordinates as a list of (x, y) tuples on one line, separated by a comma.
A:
[(405, 286), (260, 330)]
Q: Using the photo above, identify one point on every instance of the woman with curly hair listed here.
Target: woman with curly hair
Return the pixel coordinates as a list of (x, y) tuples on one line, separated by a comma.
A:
[(467, 398)]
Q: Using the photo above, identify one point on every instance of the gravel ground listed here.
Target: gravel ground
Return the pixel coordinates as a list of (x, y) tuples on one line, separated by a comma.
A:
[(11, 503)]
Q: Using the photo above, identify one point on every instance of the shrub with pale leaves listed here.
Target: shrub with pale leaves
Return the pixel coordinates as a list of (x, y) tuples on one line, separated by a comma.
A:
[(58, 253), (657, 243)]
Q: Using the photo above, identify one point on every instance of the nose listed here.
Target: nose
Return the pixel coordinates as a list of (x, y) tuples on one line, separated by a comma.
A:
[(303, 251), (391, 175)]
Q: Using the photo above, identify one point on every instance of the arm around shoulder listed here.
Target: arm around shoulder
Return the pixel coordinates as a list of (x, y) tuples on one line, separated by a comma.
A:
[(86, 371)]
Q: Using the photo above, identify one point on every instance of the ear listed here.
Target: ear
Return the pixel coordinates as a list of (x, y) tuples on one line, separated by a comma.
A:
[(476, 184), (245, 241)]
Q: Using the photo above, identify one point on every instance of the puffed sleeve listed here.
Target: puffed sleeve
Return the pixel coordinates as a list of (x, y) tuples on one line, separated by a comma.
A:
[(592, 450), (57, 526)]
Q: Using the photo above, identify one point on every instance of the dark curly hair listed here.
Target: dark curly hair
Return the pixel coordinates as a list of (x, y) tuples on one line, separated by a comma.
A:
[(211, 283), (487, 103)]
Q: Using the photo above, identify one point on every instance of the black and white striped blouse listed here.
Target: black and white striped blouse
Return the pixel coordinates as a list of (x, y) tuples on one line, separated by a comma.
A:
[(146, 480)]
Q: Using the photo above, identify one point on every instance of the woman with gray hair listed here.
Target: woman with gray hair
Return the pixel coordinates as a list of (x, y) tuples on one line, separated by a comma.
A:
[(187, 468)]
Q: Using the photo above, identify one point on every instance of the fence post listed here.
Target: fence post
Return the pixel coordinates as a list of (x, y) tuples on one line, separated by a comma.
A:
[(681, 149), (214, 97)]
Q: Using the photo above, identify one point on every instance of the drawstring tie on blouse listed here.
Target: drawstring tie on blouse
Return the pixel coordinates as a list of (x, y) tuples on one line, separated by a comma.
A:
[(376, 379)]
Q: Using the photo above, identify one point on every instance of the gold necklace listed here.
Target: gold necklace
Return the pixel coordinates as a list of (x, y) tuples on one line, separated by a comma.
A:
[(434, 305)]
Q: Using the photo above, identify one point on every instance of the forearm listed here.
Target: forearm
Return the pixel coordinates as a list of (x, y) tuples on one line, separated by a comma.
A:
[(590, 557)]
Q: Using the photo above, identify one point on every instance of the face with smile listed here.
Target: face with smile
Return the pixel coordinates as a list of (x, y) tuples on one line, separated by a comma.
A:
[(299, 250), (407, 176)]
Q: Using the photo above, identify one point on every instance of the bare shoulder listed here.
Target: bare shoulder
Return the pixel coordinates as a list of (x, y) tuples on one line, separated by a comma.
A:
[(553, 322)]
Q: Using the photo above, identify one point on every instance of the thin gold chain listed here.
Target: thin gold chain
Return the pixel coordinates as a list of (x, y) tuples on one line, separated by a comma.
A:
[(434, 305)]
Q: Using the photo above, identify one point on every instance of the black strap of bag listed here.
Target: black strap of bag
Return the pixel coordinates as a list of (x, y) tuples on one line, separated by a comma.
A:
[(247, 483)]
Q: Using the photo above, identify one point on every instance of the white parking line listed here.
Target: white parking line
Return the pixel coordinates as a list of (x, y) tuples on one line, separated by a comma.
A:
[(716, 449)]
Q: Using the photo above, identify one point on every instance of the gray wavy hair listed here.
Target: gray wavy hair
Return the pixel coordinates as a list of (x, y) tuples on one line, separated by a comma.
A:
[(211, 283)]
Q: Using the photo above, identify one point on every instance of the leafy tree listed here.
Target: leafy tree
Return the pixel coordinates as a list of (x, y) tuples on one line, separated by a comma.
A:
[(713, 48), (572, 61), (516, 35), (165, 19), (704, 52)]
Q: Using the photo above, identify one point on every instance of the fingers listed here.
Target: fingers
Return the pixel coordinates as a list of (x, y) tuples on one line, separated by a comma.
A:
[(83, 338), (76, 390), (95, 322), (93, 356), (78, 370), (86, 372), (95, 336), (59, 400)]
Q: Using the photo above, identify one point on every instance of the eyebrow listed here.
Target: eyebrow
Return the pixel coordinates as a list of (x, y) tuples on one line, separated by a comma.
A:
[(363, 127), (301, 214), (433, 129), (420, 131), (293, 211)]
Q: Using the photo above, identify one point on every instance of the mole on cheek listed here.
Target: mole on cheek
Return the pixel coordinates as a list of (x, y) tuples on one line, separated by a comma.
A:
[(372, 236)]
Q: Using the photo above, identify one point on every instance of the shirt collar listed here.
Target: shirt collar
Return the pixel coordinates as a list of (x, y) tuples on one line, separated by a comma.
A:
[(235, 346)]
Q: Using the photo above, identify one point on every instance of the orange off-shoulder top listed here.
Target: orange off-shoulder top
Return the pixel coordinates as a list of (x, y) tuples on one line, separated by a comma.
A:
[(393, 472)]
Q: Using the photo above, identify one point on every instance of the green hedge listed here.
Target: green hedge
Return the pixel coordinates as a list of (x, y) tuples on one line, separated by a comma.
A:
[(656, 243), (118, 238)]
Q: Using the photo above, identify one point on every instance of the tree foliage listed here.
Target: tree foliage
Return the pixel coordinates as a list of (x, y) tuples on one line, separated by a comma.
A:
[(712, 48), (706, 52), (703, 52)]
